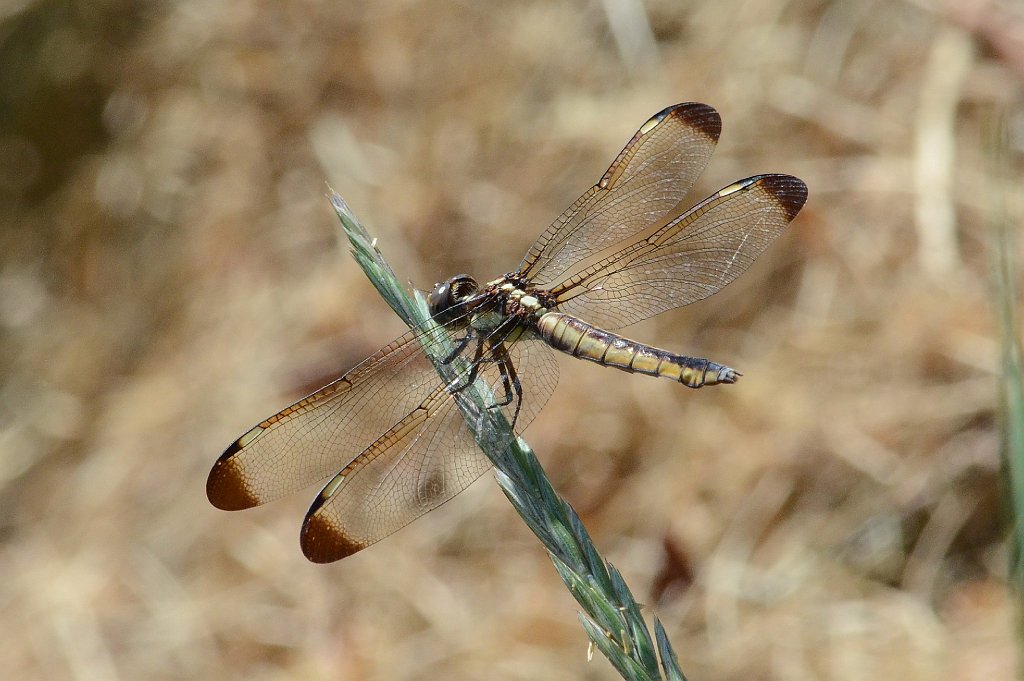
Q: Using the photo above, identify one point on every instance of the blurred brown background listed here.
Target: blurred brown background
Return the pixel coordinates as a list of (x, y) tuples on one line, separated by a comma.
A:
[(171, 273)]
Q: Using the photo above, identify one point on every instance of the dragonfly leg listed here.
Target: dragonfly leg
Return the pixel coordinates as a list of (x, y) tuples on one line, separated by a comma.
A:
[(478, 355), (506, 383), (511, 385), (510, 381), (463, 342)]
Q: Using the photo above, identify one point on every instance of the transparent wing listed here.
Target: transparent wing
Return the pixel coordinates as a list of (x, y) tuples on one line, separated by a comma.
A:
[(651, 175), (684, 257), (318, 435), (426, 458)]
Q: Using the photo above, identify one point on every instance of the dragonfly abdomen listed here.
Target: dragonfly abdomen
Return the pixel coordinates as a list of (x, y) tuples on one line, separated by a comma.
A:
[(576, 337)]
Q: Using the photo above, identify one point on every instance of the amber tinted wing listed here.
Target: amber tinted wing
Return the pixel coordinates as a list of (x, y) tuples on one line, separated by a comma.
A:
[(684, 257), (651, 175), (425, 459), (318, 435)]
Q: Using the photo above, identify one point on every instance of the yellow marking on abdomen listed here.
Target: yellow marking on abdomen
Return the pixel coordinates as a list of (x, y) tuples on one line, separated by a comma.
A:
[(579, 339)]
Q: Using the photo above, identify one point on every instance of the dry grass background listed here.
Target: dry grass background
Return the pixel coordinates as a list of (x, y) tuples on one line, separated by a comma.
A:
[(170, 273)]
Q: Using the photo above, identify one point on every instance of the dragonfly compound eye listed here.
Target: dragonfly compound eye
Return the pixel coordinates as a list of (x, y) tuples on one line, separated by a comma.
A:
[(446, 296)]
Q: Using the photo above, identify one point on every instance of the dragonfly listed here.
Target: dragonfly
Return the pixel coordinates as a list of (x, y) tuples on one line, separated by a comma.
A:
[(391, 435)]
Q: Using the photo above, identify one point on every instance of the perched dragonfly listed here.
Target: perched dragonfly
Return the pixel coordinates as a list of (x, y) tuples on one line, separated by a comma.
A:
[(392, 432)]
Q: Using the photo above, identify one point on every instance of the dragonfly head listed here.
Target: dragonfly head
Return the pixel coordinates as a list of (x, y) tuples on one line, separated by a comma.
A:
[(447, 297)]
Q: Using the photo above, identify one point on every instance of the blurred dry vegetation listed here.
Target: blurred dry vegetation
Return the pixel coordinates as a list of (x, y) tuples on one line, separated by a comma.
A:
[(170, 273)]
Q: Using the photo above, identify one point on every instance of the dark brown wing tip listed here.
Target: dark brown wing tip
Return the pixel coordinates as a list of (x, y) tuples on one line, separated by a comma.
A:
[(698, 116), (790, 192), (226, 488), (322, 542)]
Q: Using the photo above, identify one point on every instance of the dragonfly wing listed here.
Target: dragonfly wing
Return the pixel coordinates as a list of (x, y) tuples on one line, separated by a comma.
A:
[(318, 435), (426, 458), (651, 175), (683, 258)]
